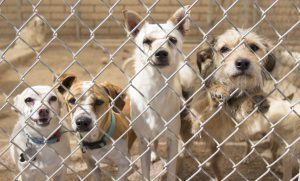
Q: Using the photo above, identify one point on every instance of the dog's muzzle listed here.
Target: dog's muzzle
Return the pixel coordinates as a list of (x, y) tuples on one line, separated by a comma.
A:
[(242, 66), (83, 124), (44, 118), (161, 58)]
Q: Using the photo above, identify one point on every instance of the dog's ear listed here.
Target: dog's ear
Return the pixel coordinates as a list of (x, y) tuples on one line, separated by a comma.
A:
[(205, 60), (132, 20), (270, 61), (65, 82), (15, 104), (113, 91), (181, 18)]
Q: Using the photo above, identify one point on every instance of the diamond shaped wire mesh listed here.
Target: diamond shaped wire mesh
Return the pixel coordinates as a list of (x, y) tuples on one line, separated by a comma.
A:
[(228, 131)]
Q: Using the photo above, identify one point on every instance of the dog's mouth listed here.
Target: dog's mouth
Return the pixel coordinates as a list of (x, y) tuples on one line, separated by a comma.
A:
[(80, 129), (241, 74), (160, 64), (42, 121)]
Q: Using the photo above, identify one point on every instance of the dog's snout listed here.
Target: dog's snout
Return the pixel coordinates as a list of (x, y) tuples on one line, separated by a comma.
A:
[(44, 112), (161, 54), (162, 57), (83, 123), (242, 64)]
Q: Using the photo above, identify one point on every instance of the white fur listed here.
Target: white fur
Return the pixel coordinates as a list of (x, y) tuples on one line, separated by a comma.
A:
[(153, 106), (50, 157)]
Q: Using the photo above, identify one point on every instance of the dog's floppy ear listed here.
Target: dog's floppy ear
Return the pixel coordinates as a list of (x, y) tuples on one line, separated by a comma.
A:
[(181, 18), (270, 61), (15, 107), (65, 82), (205, 59), (132, 20), (113, 91)]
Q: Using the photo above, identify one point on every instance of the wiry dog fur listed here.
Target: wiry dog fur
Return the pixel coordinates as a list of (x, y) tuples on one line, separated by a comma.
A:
[(274, 108), (235, 69), (38, 109), (88, 100), (155, 107)]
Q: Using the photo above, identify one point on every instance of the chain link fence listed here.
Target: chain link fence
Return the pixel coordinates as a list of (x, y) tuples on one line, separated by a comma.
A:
[(227, 131)]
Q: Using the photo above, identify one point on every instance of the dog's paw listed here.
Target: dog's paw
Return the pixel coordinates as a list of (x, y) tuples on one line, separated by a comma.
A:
[(22, 158), (219, 96), (218, 92), (262, 103), (154, 157)]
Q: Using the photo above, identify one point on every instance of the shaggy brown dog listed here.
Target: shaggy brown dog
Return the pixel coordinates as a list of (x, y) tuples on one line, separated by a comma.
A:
[(236, 79)]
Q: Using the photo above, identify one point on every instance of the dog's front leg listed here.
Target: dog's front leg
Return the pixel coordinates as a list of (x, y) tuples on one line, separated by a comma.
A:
[(172, 149), (145, 159), (154, 155), (91, 164), (121, 157), (287, 164)]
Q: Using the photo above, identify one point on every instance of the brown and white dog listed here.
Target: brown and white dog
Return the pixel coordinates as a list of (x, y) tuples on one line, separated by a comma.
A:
[(104, 132)]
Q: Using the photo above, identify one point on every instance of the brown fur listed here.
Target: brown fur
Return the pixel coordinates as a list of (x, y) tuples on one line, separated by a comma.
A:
[(224, 81), (69, 86)]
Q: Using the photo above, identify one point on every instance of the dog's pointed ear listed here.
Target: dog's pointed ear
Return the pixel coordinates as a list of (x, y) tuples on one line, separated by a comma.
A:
[(181, 18), (205, 59), (132, 20), (65, 82), (270, 61), (113, 91)]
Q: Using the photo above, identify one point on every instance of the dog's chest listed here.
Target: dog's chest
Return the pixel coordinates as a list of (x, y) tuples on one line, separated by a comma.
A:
[(47, 160), (157, 102)]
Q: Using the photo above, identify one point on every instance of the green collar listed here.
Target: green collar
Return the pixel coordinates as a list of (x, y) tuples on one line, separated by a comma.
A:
[(104, 140)]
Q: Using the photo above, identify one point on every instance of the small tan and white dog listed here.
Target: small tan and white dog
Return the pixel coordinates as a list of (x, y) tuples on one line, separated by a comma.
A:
[(240, 69), (235, 69), (155, 93), (103, 130), (38, 108), (34, 33)]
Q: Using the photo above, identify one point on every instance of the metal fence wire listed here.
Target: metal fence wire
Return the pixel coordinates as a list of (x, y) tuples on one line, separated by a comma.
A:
[(128, 80)]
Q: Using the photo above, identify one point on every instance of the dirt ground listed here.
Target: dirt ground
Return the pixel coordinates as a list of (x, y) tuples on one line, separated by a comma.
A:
[(90, 62)]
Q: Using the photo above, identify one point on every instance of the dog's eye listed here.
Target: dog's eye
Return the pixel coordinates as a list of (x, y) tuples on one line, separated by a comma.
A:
[(98, 102), (53, 99), (72, 100), (173, 40), (29, 100), (254, 47), (224, 49), (147, 41)]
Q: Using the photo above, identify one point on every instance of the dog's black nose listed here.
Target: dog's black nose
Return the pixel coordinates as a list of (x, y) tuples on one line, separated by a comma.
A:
[(44, 113), (242, 64), (83, 123), (162, 57)]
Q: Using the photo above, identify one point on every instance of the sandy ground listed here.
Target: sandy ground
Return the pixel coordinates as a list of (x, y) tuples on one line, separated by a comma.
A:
[(91, 62)]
